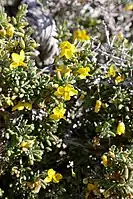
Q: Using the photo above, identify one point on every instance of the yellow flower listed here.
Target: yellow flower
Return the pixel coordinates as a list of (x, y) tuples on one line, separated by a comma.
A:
[(10, 30), (66, 92), (58, 113), (111, 72), (25, 145), (105, 160), (53, 177), (98, 106), (18, 60), (67, 49), (83, 72), (129, 7), (64, 70), (35, 186), (81, 35), (119, 79), (21, 105), (121, 128)]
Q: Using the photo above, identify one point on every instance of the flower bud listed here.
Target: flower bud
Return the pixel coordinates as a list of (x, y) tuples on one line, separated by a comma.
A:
[(121, 128), (10, 30), (2, 32), (105, 160), (98, 106)]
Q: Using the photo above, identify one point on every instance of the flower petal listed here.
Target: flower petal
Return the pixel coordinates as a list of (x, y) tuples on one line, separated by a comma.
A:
[(28, 105), (55, 180), (51, 172), (22, 55), (19, 106), (16, 57), (68, 54), (54, 117), (58, 176), (48, 179), (13, 65)]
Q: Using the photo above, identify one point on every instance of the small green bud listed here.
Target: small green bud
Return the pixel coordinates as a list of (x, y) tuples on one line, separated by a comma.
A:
[(127, 108), (21, 30), (7, 136), (34, 45), (21, 95), (16, 89), (9, 153), (49, 143), (22, 90), (48, 149), (14, 20), (22, 43), (19, 34), (31, 162)]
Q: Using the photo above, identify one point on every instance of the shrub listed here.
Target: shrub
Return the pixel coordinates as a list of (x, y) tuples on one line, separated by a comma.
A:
[(66, 134)]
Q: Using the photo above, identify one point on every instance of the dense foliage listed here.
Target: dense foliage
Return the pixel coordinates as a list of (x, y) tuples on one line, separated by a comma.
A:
[(66, 133)]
